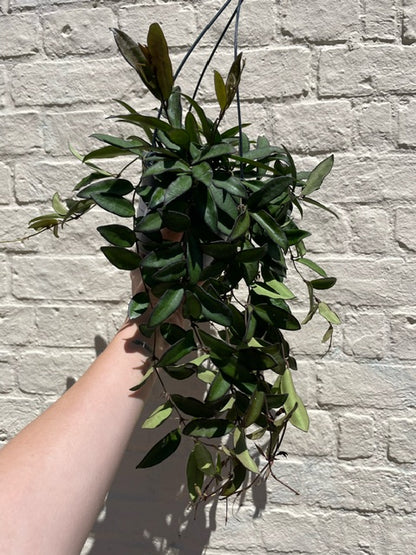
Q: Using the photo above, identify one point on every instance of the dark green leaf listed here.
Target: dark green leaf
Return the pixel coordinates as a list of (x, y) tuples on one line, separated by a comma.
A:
[(194, 476), (178, 350), (239, 475), (194, 407), (323, 283), (182, 371), (241, 451), (122, 258), (204, 460), (202, 172), (271, 227), (221, 250), (277, 317), (162, 450), (114, 204), (219, 387), (166, 306), (220, 90), (241, 226), (255, 407), (150, 222), (159, 55), (115, 187), (138, 305), (212, 308), (118, 235), (312, 265), (178, 187), (217, 347), (251, 254)]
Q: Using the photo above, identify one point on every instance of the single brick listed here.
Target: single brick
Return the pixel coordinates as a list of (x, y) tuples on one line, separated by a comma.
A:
[(81, 31), (68, 326), (366, 225), (16, 413), (409, 21), (365, 334), (249, 35), (294, 529), (66, 82), (366, 70), (403, 335), (397, 535), (374, 385), (380, 19), (19, 35), (17, 325), (407, 124), (177, 20), (320, 22), (7, 376), (315, 126), (21, 133), (319, 441), (47, 372), (277, 72), (38, 181), (68, 278), (6, 182), (402, 440), (405, 225), (374, 122), (356, 437)]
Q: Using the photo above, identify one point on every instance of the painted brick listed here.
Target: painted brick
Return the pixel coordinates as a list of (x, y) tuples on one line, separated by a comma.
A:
[(83, 31), (397, 535), (300, 530), (3, 275), (13, 140), (284, 72), (405, 225), (262, 33), (402, 440), (5, 181), (407, 124), (19, 35), (178, 24), (320, 22), (3, 87), (16, 413), (329, 234), (17, 325), (67, 82), (38, 181), (409, 21), (298, 129), (365, 71), (47, 372), (374, 385), (320, 439), (374, 121), (65, 278), (380, 19), (403, 335), (7, 376), (366, 225), (68, 326), (73, 128), (356, 437), (365, 334)]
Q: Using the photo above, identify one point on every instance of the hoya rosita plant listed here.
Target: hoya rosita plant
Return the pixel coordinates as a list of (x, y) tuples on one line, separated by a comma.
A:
[(231, 202)]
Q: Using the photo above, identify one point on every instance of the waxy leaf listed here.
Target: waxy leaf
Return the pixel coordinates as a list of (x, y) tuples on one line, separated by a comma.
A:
[(158, 416), (162, 450), (208, 427), (204, 460), (299, 417), (146, 377), (241, 451), (219, 387), (312, 265), (115, 187), (166, 306), (138, 305), (178, 350), (194, 476), (122, 258), (114, 204), (254, 408), (329, 315), (271, 227), (220, 90), (118, 235), (324, 283), (178, 187), (317, 176), (160, 60)]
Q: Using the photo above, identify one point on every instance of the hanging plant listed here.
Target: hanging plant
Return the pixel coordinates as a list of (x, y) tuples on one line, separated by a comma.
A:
[(230, 201)]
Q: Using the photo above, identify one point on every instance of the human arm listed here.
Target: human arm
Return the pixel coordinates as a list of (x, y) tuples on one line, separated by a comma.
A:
[(54, 475)]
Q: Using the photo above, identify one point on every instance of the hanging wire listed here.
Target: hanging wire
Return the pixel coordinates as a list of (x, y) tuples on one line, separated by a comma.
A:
[(240, 123)]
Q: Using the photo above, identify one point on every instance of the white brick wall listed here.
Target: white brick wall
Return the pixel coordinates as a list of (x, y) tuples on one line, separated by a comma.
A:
[(321, 77)]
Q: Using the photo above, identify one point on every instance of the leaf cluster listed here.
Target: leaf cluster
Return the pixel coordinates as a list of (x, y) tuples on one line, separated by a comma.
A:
[(232, 201)]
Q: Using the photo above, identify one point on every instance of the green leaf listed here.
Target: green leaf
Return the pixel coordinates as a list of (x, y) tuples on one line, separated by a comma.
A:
[(212, 308), (219, 387), (241, 226), (312, 265), (58, 205), (202, 172), (194, 476), (166, 306), (220, 91), (270, 191), (323, 283), (204, 460), (166, 166), (107, 152), (162, 450), (277, 317), (159, 54), (181, 372), (176, 221), (118, 235), (158, 416), (328, 334), (208, 427), (217, 346), (273, 289), (178, 350), (115, 187), (251, 254), (146, 377), (221, 250), (215, 151), (320, 205), (299, 417), (175, 108), (178, 187), (119, 142), (122, 258), (238, 477), (114, 204), (138, 305), (194, 407), (241, 451), (194, 258), (255, 407), (233, 79), (271, 227), (317, 176), (150, 222), (329, 315)]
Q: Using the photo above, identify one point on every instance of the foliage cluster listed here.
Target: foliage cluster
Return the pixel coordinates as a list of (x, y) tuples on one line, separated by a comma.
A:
[(231, 201)]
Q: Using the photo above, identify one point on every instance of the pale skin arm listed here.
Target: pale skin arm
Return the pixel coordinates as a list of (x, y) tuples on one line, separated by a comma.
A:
[(54, 475)]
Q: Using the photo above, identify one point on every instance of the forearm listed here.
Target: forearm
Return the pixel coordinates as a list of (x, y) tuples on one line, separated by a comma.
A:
[(55, 474)]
